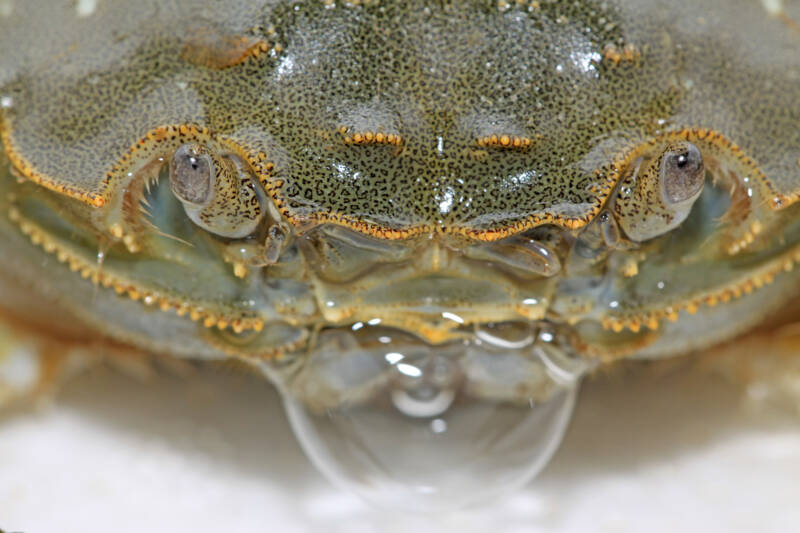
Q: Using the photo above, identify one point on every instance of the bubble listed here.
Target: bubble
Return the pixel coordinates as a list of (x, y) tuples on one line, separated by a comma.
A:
[(511, 335), (408, 425)]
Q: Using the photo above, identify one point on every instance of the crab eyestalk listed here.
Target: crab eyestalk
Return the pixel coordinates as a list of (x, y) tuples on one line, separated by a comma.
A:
[(657, 195), (426, 427), (217, 193)]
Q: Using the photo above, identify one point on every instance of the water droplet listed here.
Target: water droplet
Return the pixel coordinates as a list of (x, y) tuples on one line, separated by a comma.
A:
[(415, 426), (452, 316), (561, 367), (393, 357), (609, 230), (508, 335), (84, 8), (438, 425)]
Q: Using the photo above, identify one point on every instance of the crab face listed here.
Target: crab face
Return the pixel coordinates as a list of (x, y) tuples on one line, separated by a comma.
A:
[(432, 199)]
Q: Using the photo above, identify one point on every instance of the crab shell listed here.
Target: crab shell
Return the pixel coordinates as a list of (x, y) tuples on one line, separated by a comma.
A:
[(430, 165)]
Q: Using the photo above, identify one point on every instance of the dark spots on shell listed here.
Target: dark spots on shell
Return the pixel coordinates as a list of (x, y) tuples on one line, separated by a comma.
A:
[(440, 75)]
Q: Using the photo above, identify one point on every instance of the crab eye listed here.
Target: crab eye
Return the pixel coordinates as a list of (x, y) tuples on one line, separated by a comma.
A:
[(217, 190), (191, 175), (659, 190), (682, 173)]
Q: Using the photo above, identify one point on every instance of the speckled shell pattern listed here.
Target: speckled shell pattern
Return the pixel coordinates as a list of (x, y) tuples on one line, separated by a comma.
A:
[(405, 161), (563, 88)]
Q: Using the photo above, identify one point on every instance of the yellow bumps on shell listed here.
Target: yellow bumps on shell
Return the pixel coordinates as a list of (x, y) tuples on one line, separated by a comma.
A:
[(130, 243), (239, 270), (628, 53), (747, 238), (765, 277), (504, 141), (357, 3), (90, 270), (213, 49), (630, 268), (504, 5), (116, 230), (370, 137)]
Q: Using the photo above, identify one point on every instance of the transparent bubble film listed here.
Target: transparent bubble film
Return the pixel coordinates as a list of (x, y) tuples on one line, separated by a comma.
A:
[(409, 425)]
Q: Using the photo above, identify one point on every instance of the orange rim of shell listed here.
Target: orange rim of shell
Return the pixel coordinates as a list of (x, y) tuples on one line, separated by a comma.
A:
[(263, 167), (653, 318), (165, 302)]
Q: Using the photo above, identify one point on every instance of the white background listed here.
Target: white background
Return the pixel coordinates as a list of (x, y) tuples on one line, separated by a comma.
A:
[(212, 452)]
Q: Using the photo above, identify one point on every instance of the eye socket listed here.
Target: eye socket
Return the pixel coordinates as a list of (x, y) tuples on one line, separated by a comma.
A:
[(682, 173), (191, 175)]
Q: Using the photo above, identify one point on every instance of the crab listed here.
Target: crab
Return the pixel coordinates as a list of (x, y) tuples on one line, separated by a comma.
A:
[(413, 217)]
